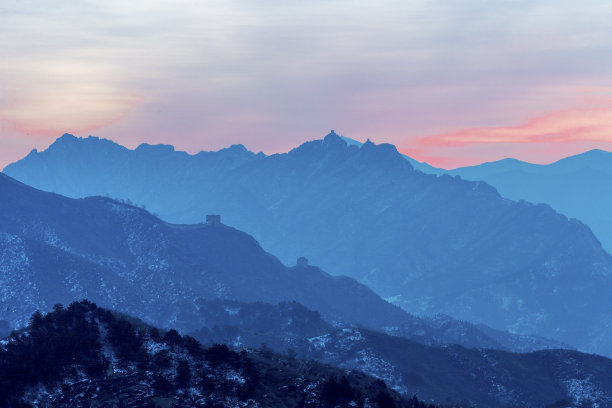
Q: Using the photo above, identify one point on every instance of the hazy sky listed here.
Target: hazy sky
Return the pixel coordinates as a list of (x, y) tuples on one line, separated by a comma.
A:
[(452, 82)]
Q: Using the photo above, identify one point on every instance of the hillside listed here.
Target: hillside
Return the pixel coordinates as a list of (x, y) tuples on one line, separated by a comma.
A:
[(83, 355), (429, 244), (87, 356), (480, 377), (57, 250), (578, 186)]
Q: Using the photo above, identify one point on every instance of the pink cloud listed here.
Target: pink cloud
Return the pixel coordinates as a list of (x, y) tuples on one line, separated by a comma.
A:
[(542, 139), (556, 127)]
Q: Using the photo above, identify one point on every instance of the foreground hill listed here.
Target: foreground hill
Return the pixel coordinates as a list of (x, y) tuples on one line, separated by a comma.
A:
[(578, 186), (84, 356), (479, 377), (56, 250), (87, 356), (430, 244)]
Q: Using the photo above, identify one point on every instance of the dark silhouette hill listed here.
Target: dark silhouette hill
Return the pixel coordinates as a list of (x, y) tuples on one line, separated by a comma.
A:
[(85, 356)]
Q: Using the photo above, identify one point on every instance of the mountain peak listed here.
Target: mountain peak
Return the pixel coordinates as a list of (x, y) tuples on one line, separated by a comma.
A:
[(236, 149), (595, 151), (595, 154), (33, 152), (332, 142), (157, 147), (382, 148), (333, 139), (70, 140), (384, 153), (66, 138)]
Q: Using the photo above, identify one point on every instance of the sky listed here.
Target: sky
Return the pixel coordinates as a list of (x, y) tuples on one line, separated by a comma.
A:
[(450, 82)]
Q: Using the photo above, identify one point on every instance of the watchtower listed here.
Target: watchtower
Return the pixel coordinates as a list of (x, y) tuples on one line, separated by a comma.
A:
[(213, 219)]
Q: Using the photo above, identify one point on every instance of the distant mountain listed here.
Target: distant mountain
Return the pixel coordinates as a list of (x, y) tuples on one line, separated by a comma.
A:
[(54, 250), (417, 165), (430, 244), (482, 378), (84, 356), (578, 186)]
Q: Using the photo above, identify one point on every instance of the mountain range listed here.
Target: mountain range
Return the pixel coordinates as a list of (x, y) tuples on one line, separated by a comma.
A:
[(578, 186), (431, 244), (54, 249), (199, 278)]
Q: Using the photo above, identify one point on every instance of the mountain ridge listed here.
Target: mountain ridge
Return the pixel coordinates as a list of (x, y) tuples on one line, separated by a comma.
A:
[(54, 249), (433, 244), (578, 186)]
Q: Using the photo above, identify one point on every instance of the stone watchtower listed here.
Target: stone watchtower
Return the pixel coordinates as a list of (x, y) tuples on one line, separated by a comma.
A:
[(213, 219), (302, 262)]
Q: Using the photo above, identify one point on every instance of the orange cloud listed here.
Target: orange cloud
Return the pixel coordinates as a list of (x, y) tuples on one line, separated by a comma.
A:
[(52, 115), (64, 95)]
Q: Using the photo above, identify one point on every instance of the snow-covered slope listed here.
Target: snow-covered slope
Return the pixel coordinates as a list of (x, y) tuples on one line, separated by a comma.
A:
[(84, 356), (484, 377)]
